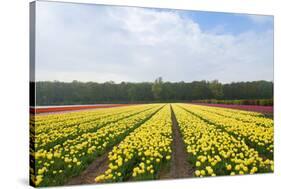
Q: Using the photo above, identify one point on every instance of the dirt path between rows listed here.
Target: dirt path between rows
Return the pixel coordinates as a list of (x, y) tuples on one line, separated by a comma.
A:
[(179, 167), (95, 169)]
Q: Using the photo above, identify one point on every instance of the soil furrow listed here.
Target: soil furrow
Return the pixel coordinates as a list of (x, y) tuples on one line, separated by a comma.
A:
[(93, 170), (179, 167)]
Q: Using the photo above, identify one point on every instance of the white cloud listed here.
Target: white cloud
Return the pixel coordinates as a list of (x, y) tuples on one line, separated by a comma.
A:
[(100, 43), (260, 19)]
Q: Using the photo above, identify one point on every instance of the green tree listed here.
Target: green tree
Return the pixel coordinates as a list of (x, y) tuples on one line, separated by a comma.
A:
[(157, 88), (132, 93), (216, 89)]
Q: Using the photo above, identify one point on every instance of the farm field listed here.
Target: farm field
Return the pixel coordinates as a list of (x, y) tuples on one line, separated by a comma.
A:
[(52, 109), (149, 141), (254, 108)]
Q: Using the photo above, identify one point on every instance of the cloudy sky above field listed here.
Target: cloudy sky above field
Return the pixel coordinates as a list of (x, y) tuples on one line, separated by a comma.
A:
[(110, 43)]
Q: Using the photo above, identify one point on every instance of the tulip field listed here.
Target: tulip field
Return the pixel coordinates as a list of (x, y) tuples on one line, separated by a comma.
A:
[(136, 142)]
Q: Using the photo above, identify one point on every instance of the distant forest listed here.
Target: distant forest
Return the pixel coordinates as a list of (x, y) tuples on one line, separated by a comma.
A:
[(71, 93)]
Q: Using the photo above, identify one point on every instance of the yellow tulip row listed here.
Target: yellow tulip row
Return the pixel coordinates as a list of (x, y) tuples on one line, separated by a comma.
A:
[(56, 165), (55, 119), (242, 112), (244, 116), (141, 153), (62, 120), (214, 151), (88, 123), (259, 136)]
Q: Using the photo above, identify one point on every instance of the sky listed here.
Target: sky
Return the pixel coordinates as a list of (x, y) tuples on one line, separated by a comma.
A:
[(98, 43)]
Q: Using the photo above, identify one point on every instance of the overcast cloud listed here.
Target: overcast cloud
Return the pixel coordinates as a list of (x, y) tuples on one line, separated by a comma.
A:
[(103, 43)]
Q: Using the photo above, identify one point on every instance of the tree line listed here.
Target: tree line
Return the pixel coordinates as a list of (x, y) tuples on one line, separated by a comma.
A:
[(63, 93)]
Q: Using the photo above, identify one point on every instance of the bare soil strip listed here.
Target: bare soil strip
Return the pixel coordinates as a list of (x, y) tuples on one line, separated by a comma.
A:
[(88, 176), (179, 167)]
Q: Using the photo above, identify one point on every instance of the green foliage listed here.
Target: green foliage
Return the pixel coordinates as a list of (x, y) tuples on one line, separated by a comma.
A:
[(157, 88), (216, 89), (61, 93)]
